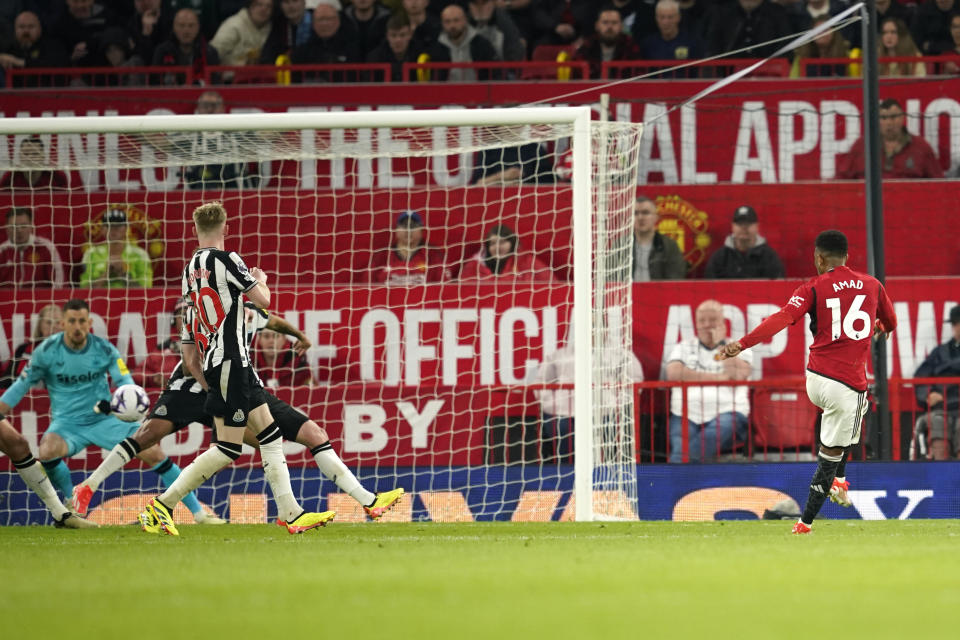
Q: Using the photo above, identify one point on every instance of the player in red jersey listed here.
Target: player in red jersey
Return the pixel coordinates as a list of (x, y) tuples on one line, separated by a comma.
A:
[(845, 307)]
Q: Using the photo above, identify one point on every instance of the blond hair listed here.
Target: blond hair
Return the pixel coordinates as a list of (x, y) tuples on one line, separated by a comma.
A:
[(210, 216)]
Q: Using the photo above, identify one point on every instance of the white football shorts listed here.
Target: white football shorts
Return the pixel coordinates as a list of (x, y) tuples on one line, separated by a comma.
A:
[(843, 410)]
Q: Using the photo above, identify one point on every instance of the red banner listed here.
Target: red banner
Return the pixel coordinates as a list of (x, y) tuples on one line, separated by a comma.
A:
[(758, 130), (421, 372), (314, 238)]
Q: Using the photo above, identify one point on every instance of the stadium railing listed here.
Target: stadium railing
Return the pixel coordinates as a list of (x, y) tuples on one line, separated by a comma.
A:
[(283, 74), (773, 68), (935, 65)]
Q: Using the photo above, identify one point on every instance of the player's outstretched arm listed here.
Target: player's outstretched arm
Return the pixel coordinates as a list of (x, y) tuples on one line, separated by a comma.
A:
[(278, 324)]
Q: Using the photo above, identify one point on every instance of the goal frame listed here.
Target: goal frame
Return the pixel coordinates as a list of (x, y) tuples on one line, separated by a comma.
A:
[(578, 118)]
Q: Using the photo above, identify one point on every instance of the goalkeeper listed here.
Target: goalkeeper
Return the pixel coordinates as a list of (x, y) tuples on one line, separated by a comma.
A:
[(73, 365), (183, 401)]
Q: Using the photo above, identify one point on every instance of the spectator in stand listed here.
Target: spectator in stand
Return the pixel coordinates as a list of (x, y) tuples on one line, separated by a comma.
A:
[(671, 42), (27, 260), (692, 16), (802, 13), (78, 27), (277, 363), (951, 66), (399, 46), (116, 262), (426, 28), (717, 416), (637, 17), (369, 19), (895, 41), (745, 254), (32, 172), (829, 45), (292, 26), (186, 48), (48, 323), (931, 26), (557, 405), (521, 12), (333, 42), (747, 23), (524, 163), (460, 42), (563, 22), (207, 11), (241, 37), (501, 259), (655, 256), (609, 43), (150, 26), (30, 49), (159, 364), (228, 175), (904, 155), (935, 434), (409, 260), (495, 24), (116, 48)]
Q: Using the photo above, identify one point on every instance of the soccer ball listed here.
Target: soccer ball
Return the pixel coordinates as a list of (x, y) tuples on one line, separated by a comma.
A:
[(130, 403)]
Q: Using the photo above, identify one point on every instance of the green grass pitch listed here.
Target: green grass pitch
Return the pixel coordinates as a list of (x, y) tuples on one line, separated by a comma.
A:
[(850, 579)]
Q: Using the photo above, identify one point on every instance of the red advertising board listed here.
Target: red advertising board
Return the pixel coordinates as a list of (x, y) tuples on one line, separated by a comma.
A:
[(758, 130), (428, 368)]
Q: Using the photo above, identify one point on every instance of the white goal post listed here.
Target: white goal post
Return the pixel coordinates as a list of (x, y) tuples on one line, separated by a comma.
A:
[(603, 160)]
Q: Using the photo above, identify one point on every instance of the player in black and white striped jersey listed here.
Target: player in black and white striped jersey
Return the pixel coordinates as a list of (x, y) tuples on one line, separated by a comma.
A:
[(216, 281)]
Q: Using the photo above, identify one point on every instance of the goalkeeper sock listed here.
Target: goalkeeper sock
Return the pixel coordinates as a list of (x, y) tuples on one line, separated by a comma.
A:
[(332, 466), (203, 467), (32, 473), (169, 472), (118, 457), (278, 476), (819, 487), (59, 475)]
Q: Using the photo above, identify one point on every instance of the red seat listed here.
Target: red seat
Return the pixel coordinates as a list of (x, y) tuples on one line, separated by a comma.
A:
[(546, 53), (783, 419)]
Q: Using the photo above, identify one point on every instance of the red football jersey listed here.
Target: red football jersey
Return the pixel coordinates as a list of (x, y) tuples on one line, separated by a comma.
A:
[(426, 265), (843, 306)]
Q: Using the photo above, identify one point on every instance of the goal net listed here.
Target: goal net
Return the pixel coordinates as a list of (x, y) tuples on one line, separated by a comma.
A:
[(451, 373)]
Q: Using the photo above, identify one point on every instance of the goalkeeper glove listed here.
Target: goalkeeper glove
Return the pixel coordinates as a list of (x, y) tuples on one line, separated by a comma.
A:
[(102, 407)]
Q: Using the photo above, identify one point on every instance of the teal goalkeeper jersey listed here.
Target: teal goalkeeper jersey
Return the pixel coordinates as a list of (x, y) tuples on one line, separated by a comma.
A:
[(75, 380)]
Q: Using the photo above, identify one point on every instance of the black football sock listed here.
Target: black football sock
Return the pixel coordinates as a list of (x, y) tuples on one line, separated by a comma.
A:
[(842, 466), (819, 488)]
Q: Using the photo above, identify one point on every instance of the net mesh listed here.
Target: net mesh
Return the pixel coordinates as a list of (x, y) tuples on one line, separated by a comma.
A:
[(433, 373)]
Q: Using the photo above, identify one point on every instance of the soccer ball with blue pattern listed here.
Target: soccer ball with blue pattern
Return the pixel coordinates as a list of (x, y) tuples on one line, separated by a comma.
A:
[(130, 403)]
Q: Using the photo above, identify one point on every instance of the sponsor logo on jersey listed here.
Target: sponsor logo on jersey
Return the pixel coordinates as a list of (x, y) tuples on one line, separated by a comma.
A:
[(81, 378), (123, 367), (796, 301), (238, 416)]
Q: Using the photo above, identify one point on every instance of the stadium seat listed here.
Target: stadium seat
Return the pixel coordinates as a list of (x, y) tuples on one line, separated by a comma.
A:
[(546, 53), (782, 419)]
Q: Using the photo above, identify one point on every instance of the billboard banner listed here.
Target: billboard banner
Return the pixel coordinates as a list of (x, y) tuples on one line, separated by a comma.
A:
[(879, 491)]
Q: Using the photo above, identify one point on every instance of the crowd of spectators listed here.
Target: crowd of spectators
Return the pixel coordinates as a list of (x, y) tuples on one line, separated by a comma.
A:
[(42, 34)]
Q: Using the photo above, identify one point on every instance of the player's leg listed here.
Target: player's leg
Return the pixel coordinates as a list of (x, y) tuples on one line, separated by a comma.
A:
[(168, 471), (843, 410), (840, 487), (15, 447), (274, 461), (297, 427), (54, 447)]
